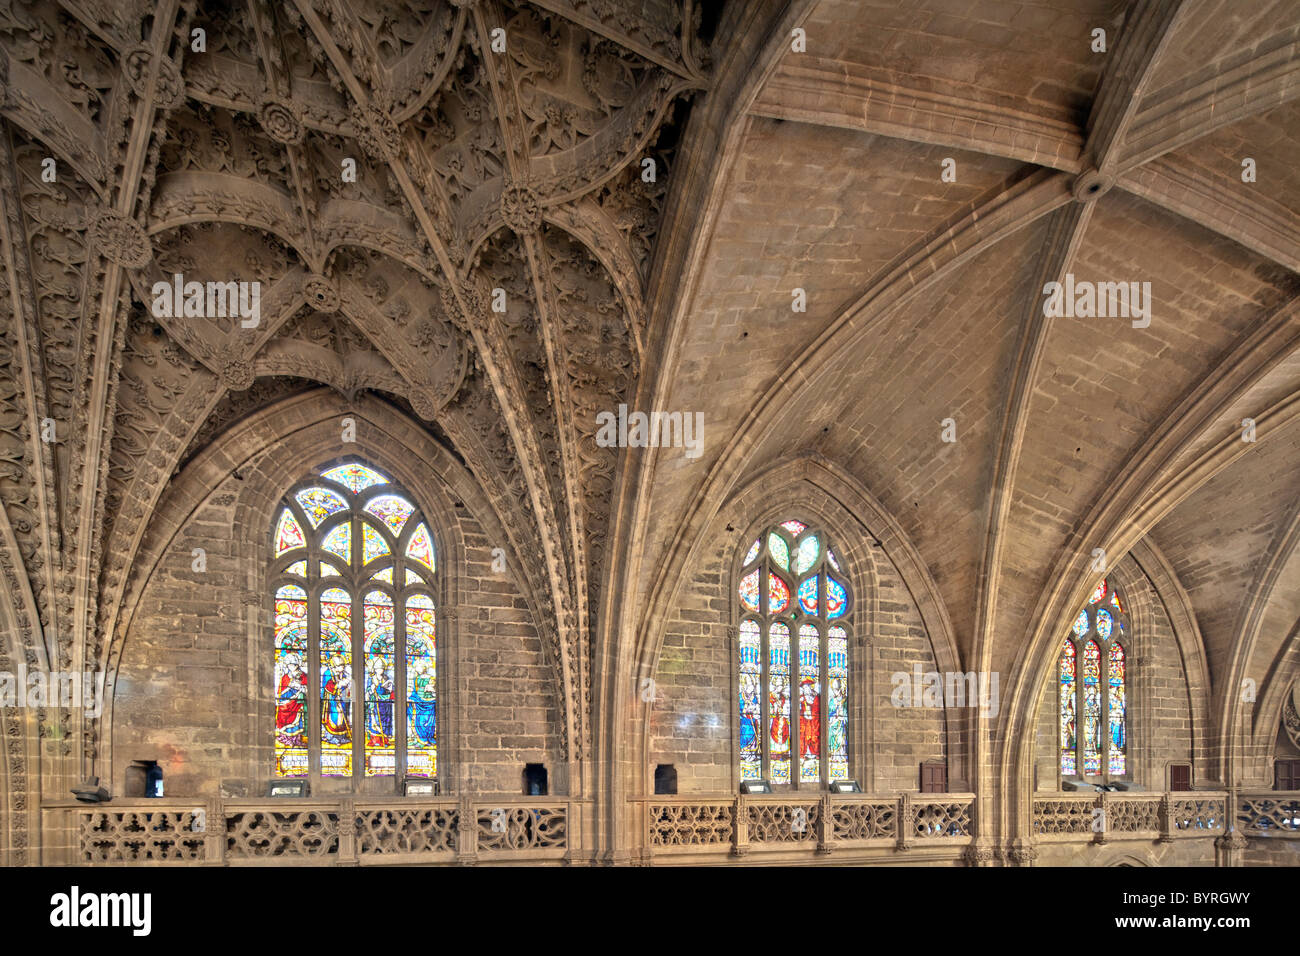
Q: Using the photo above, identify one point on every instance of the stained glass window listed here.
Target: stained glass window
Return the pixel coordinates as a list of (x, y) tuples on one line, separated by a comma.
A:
[(793, 670), (1093, 715), (346, 658)]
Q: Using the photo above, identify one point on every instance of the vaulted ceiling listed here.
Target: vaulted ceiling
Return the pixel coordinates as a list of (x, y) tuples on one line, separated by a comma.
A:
[(391, 171)]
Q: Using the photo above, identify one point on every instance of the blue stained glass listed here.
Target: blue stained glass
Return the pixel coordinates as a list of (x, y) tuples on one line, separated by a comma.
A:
[(836, 599), (1081, 624), (1103, 623), (808, 596)]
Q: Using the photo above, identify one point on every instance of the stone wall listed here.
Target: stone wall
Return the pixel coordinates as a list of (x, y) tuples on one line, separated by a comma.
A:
[(194, 688)]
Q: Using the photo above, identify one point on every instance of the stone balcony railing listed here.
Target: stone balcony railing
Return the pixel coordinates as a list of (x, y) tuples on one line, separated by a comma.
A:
[(786, 827), (284, 832), (1101, 817)]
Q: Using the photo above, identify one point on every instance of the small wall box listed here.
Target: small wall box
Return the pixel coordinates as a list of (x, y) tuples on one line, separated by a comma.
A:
[(419, 787), (288, 788), (845, 786), (755, 786)]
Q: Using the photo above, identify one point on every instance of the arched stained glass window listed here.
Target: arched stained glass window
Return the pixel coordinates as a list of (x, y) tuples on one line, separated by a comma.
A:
[(355, 651), (793, 673), (1093, 693)]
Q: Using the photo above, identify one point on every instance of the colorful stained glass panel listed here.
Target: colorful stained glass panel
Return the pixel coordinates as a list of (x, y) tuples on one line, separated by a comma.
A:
[(1069, 725), (808, 595), (336, 683), (373, 544), (392, 510), (749, 590), (1103, 623), (298, 567), (355, 476), (837, 599), (810, 548), (794, 527), (422, 687), (810, 705), (778, 594), (319, 504), (420, 548), (1081, 624), (1099, 593), (751, 715), (1091, 708), (1118, 743), (779, 550), (837, 703), (379, 648), (753, 552), (339, 542), (288, 534), (291, 756), (778, 701)]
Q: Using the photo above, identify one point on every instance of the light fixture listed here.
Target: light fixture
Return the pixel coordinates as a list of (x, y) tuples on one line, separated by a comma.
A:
[(845, 786), (419, 787), (288, 788), (91, 792), (755, 786)]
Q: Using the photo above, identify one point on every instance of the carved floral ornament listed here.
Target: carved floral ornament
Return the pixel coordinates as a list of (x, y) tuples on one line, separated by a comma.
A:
[(120, 240), (321, 294), (281, 121), (169, 90), (521, 208)]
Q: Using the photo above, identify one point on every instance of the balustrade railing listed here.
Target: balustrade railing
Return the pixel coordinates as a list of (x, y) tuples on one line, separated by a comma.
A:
[(319, 831), (738, 824)]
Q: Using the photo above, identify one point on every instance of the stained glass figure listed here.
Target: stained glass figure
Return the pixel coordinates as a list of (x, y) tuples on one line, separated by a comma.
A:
[(422, 687), (837, 702), (778, 700), (336, 683), (1118, 742), (291, 647), (751, 716), (319, 504), (1091, 708), (1069, 722), (810, 704), (298, 567), (381, 753)]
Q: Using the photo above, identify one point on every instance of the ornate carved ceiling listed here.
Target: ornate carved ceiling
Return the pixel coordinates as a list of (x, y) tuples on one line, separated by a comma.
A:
[(387, 172)]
